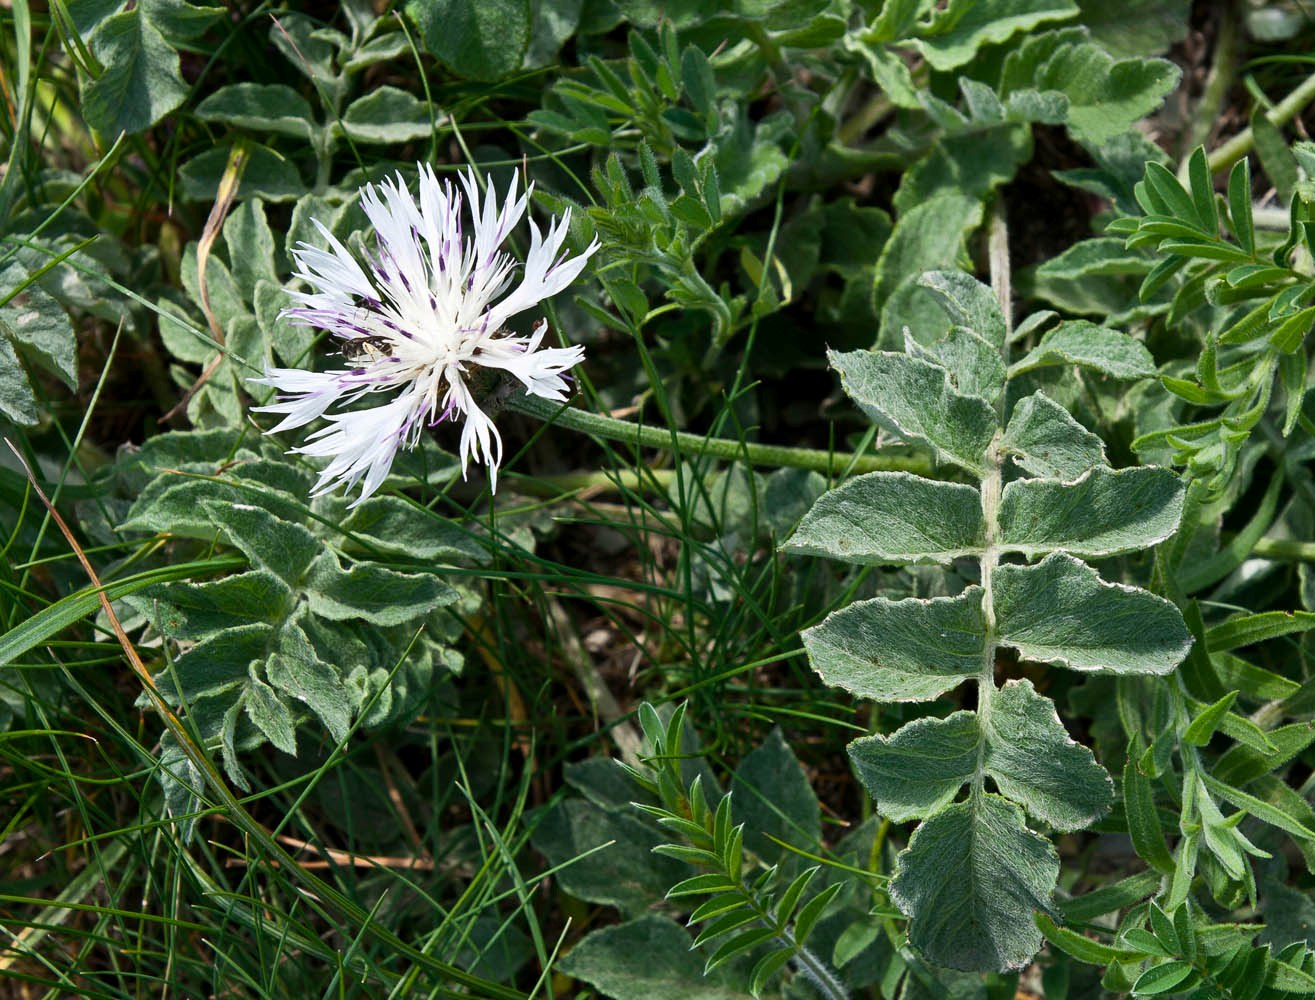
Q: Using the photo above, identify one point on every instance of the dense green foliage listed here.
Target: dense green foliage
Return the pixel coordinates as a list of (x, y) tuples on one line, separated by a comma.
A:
[(913, 600)]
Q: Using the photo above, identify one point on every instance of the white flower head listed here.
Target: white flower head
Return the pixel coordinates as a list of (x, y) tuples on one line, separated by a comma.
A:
[(416, 318)]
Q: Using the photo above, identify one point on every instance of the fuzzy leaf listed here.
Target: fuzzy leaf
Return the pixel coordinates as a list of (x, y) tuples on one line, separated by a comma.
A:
[(282, 547), (1136, 28), (1105, 512), (929, 235), (973, 162), (272, 108), (771, 796), (1078, 342), (391, 524), (215, 666), (968, 303), (483, 41), (975, 366), (38, 324), (251, 248), (1033, 761), (910, 650), (964, 26), (971, 879), (920, 769), (297, 671), (885, 518), (915, 400), (268, 175), (1060, 611), (619, 962), (377, 595), (173, 504), (16, 399), (193, 611), (272, 717), (618, 868), (1104, 97), (142, 81), (1046, 441), (387, 115)]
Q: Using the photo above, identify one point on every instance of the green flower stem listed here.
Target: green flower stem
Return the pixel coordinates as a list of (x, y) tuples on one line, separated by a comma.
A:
[(1282, 113), (1284, 548), (779, 456)]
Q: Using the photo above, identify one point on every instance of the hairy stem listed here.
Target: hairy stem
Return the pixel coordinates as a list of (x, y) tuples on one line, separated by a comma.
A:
[(780, 456), (816, 971), (992, 484)]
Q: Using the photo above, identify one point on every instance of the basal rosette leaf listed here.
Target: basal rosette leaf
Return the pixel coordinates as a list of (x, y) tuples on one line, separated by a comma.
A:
[(309, 630), (372, 593), (271, 543), (192, 612)]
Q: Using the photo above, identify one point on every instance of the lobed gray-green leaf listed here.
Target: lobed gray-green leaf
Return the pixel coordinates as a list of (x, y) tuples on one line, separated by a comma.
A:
[(915, 400), (910, 650), (282, 547), (296, 670), (216, 665), (1033, 761), (918, 770), (190, 612), (272, 108), (1103, 513), (270, 714), (1061, 611), (1079, 342), (975, 365), (370, 592), (1044, 439), (885, 518), (394, 525), (388, 115), (961, 28), (971, 879)]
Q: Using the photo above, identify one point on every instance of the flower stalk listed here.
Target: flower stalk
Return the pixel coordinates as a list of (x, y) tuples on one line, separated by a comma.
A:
[(728, 449)]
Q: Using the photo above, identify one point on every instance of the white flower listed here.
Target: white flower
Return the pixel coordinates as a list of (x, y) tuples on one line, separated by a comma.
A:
[(425, 310)]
